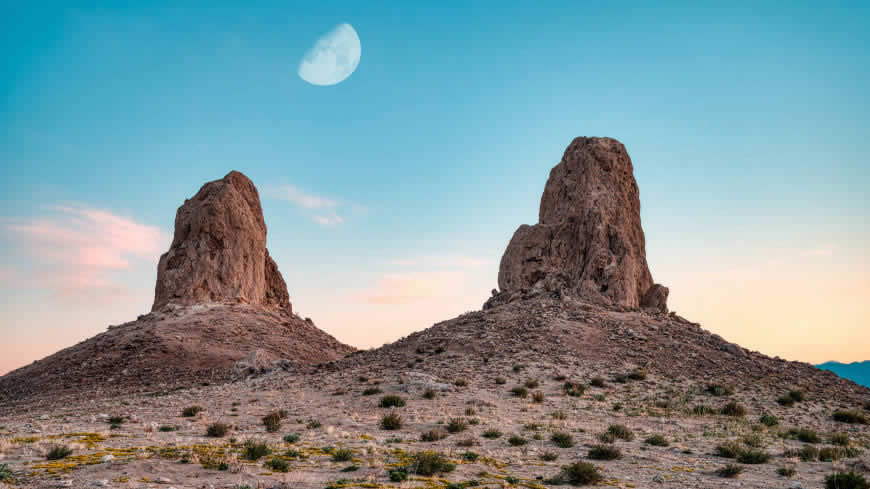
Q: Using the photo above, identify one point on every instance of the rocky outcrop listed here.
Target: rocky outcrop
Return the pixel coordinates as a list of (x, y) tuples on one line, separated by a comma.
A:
[(589, 241), (218, 252)]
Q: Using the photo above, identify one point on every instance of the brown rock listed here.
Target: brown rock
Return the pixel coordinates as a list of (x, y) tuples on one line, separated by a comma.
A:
[(219, 251), (589, 241), (656, 299)]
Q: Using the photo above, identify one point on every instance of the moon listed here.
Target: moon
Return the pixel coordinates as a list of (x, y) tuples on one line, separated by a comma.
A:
[(332, 58)]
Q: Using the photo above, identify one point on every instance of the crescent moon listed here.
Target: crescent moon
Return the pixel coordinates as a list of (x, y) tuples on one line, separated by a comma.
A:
[(332, 58)]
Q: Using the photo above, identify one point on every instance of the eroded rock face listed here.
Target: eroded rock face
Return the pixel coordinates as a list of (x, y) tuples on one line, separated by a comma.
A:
[(219, 251), (589, 241)]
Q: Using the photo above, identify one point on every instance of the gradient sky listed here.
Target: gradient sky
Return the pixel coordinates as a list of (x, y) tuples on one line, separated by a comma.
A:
[(391, 196)]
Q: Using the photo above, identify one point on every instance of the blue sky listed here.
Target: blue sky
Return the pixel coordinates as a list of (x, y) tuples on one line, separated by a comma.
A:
[(748, 126)]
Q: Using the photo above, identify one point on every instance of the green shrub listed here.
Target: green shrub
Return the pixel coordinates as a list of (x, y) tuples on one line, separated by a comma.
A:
[(429, 463), (531, 383), (753, 457), (562, 439), (399, 475), (604, 452), (58, 452), (578, 474), (455, 425), (785, 471), (638, 374), (433, 435), (370, 391), (851, 417), (277, 465), (217, 430), (657, 441), (729, 449), (470, 456), (470, 411), (313, 424), (391, 400), (6, 473), (291, 438), (430, 394), (718, 390), (621, 432), (342, 454), (518, 368), (492, 433), (597, 382), (846, 480), (115, 420), (768, 419), (460, 382), (549, 456), (391, 421), (538, 397), (786, 401), (517, 440), (166, 428), (797, 395), (520, 391), (733, 409), (808, 453), (729, 471), (805, 435), (841, 439), (830, 454), (255, 450), (573, 389), (272, 422), (191, 411), (702, 410), (350, 468), (500, 381)]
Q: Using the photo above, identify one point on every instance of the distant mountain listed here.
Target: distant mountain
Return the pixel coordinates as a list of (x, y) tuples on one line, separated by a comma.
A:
[(858, 372)]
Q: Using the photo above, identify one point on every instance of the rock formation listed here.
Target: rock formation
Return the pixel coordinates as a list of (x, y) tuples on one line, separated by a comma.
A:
[(219, 250), (589, 241)]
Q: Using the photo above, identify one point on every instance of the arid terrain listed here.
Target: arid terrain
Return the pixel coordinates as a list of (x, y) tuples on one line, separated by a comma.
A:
[(573, 373)]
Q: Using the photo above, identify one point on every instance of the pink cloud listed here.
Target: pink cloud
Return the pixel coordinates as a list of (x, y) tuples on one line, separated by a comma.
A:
[(408, 288), (77, 249)]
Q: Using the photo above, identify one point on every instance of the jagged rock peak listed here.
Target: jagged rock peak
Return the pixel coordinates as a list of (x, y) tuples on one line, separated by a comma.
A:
[(218, 252), (589, 241)]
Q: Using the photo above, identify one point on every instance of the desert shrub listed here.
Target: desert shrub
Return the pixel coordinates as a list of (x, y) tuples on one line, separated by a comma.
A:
[(255, 450), (718, 390), (797, 395), (430, 394), (350, 468), (492, 433), (729, 449), (597, 382), (399, 475), (455, 425), (291, 438), (829, 454), (6, 473), (657, 441), (846, 480), (733, 409), (272, 422), (753, 441), (468, 442), (768, 419), (342, 454), (277, 465), (578, 474), (841, 439), (370, 391), (531, 383), (217, 430), (520, 391), (538, 397), (560, 377), (662, 404), (549, 456), (786, 401), (166, 428), (313, 424), (429, 463), (808, 453), (115, 420), (702, 410), (517, 440), (621, 432), (58, 452), (500, 381), (391, 421), (573, 389), (805, 435), (191, 411), (433, 435), (753, 457), (638, 374), (391, 400), (562, 439), (604, 452), (785, 471), (518, 368), (729, 471), (470, 456), (851, 417), (470, 411), (605, 437), (460, 382)]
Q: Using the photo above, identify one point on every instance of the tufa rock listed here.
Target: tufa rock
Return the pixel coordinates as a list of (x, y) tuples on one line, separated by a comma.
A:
[(589, 241), (218, 252)]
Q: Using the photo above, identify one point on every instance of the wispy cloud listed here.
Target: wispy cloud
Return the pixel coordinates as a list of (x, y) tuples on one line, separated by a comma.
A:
[(80, 248), (407, 288), (325, 211)]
